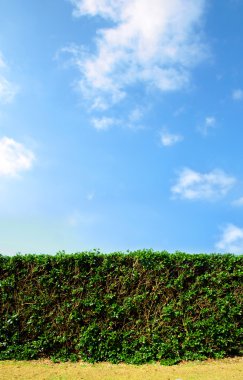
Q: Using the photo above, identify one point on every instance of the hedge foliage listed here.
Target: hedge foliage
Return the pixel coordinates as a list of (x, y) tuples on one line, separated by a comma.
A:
[(134, 307)]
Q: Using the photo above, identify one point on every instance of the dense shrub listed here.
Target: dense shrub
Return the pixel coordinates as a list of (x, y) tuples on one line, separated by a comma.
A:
[(136, 307)]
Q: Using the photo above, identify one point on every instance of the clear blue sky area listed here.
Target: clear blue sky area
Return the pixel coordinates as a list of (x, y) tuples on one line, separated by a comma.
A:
[(121, 125)]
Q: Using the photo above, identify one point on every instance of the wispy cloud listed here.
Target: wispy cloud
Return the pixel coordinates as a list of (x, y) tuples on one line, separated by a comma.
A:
[(169, 139), (151, 42), (77, 218), (231, 239), (2, 62), (135, 118), (194, 185), (104, 123), (8, 89), (209, 123), (179, 111), (14, 158), (237, 94), (238, 202), (136, 115), (90, 196)]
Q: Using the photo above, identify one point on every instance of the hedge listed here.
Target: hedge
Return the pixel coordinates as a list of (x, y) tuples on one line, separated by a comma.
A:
[(133, 307)]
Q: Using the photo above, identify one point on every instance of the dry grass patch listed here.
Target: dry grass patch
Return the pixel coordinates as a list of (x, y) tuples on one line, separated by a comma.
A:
[(227, 369)]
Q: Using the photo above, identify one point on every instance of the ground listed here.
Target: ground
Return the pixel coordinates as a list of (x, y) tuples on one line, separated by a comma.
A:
[(226, 369)]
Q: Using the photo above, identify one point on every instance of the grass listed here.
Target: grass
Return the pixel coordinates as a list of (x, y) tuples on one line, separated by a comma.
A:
[(226, 369)]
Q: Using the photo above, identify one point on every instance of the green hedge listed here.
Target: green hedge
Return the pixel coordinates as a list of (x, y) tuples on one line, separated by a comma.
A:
[(134, 307)]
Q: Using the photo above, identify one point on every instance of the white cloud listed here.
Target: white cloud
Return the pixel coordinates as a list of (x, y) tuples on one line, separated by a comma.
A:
[(237, 94), (169, 139), (104, 123), (231, 239), (2, 62), (209, 123), (104, 8), (8, 90), (155, 42), (136, 115), (238, 202), (202, 186), (14, 157)]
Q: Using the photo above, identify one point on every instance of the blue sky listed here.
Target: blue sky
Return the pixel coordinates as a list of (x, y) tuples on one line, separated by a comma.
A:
[(121, 125)]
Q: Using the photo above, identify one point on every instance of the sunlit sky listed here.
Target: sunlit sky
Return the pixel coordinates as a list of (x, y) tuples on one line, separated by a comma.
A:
[(121, 125)]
